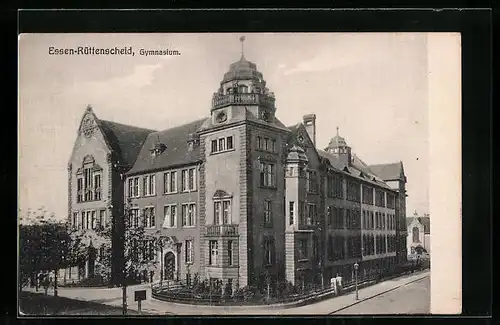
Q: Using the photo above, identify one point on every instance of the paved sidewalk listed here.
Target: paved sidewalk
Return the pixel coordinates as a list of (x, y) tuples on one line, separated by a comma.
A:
[(112, 296)]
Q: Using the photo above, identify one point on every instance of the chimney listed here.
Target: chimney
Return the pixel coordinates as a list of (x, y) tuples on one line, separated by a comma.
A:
[(309, 121)]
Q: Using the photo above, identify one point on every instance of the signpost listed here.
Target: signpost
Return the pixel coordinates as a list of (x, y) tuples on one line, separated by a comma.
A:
[(140, 295)]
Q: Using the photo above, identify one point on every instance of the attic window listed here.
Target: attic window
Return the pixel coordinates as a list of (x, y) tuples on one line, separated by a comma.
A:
[(346, 169), (373, 179), (361, 174)]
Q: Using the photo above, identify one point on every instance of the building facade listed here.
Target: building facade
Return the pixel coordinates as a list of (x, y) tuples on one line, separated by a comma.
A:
[(238, 196), (419, 233)]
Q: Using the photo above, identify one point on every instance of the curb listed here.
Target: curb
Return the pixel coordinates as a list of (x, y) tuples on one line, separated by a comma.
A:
[(378, 294)]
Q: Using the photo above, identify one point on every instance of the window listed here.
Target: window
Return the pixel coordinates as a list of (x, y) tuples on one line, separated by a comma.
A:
[(416, 235), (379, 198), (79, 190), (170, 182), (149, 216), (268, 213), (83, 220), (266, 144), (303, 249), (97, 187), (372, 221), (189, 251), (222, 144), (133, 187), (338, 248), (74, 222), (312, 182), (230, 252), (330, 248), (390, 201), (188, 214), (353, 191), (213, 252), (367, 195), (134, 218), (170, 213), (311, 214), (268, 251), (267, 174), (149, 185), (222, 212), (102, 219), (292, 211), (87, 184), (89, 220), (188, 179)]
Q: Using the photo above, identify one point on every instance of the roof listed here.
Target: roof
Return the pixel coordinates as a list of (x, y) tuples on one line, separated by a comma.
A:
[(425, 221), (126, 141), (388, 172), (176, 153)]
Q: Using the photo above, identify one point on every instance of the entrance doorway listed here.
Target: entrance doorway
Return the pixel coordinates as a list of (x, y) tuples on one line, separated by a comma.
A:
[(169, 266)]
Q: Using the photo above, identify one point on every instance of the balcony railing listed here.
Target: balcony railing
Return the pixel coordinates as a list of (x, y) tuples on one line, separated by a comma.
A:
[(244, 99), (222, 230)]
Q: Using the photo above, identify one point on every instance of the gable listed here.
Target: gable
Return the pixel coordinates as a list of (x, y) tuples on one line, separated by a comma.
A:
[(300, 137)]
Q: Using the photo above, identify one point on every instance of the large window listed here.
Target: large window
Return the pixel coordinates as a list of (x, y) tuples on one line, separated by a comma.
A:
[(222, 144), (367, 195), (267, 174), (379, 198), (268, 213), (102, 219), (338, 248), (222, 212), (170, 182), (312, 181), (312, 212), (97, 187), (134, 221), (188, 214), (416, 235), (353, 191), (391, 201), (149, 185), (213, 252), (88, 184), (189, 251), (133, 187), (268, 251), (188, 179), (266, 144), (170, 213), (334, 186), (303, 251), (149, 217)]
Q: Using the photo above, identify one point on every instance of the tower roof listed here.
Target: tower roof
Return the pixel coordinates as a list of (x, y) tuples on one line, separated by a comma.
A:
[(242, 70), (337, 141)]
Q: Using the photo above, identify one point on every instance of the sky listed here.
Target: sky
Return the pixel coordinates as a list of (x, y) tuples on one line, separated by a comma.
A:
[(374, 87)]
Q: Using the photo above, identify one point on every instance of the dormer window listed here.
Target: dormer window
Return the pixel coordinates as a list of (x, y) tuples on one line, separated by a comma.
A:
[(158, 148)]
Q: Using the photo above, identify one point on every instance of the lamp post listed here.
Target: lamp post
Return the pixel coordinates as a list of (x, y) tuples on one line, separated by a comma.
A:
[(356, 266)]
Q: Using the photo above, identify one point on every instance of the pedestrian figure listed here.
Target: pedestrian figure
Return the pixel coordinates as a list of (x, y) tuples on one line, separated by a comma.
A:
[(338, 282)]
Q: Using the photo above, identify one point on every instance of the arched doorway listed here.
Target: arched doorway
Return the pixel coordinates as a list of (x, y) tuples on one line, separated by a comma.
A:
[(169, 265)]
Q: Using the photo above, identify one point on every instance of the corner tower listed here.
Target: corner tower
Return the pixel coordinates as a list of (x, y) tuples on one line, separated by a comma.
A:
[(241, 146)]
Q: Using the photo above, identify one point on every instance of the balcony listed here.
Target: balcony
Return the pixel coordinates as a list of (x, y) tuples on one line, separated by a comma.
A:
[(219, 100), (221, 230)]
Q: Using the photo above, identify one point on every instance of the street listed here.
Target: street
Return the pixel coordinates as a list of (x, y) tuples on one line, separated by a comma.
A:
[(413, 298), (404, 295)]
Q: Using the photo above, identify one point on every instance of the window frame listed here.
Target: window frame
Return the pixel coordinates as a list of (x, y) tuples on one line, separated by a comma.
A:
[(220, 144), (168, 207), (190, 208)]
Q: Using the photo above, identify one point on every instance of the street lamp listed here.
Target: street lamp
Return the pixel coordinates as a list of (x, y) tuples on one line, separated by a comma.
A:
[(356, 266)]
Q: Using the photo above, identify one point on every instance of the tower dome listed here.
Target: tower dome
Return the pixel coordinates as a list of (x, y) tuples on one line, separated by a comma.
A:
[(242, 70)]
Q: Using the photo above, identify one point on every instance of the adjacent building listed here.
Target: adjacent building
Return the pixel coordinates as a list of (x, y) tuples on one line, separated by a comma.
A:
[(419, 233), (237, 195)]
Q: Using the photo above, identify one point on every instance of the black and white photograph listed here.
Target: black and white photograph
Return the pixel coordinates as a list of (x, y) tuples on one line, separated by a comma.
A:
[(238, 174)]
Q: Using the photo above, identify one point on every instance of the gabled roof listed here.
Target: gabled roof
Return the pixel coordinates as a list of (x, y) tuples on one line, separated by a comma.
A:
[(125, 140), (388, 172), (176, 153), (425, 221)]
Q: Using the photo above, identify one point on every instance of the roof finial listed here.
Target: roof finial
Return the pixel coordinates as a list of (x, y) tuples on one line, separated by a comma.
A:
[(242, 39), (89, 108), (337, 131)]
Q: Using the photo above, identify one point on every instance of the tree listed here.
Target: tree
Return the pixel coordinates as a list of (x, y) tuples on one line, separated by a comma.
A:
[(45, 245)]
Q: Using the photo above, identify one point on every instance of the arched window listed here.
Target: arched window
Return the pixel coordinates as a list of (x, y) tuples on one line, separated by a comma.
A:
[(242, 89), (416, 234)]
